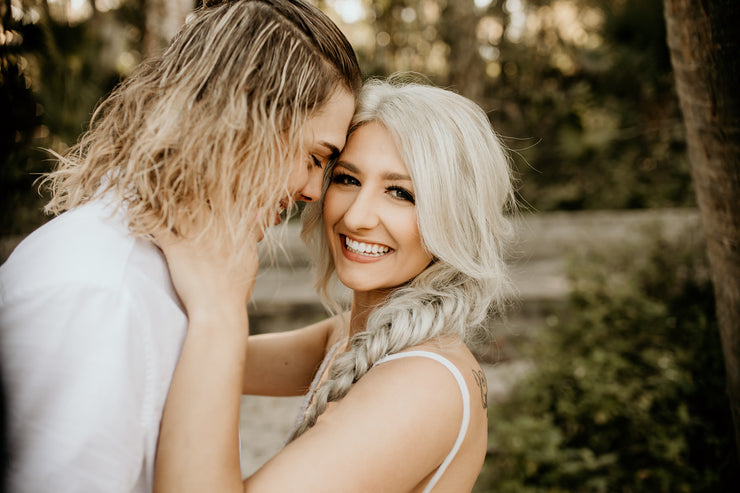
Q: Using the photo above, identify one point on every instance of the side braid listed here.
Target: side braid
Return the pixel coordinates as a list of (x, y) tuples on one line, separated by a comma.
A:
[(433, 305)]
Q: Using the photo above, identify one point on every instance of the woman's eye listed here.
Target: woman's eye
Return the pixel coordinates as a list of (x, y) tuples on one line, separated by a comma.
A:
[(344, 179), (402, 194), (316, 162)]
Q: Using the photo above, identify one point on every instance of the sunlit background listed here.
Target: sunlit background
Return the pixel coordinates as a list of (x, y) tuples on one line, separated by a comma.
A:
[(607, 374), (581, 90)]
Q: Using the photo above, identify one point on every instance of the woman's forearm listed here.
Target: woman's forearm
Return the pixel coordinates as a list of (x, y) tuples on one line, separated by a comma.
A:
[(284, 363), (198, 444)]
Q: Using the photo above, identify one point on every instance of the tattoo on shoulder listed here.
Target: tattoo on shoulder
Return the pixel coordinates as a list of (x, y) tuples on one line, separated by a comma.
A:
[(480, 379)]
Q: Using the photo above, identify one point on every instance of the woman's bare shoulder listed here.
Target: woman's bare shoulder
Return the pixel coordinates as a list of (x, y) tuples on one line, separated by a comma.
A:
[(472, 394), (439, 370), (456, 352)]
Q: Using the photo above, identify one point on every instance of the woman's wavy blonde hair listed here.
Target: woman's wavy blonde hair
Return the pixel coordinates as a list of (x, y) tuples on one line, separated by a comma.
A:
[(208, 132), (464, 203)]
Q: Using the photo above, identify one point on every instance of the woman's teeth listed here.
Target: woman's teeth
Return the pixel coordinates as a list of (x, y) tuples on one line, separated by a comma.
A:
[(365, 248)]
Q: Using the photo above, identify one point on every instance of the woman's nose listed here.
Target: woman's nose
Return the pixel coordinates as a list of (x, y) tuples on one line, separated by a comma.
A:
[(362, 213), (311, 192)]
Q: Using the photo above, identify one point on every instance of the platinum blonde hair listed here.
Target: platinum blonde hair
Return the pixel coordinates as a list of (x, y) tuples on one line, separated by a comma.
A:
[(207, 133), (464, 196)]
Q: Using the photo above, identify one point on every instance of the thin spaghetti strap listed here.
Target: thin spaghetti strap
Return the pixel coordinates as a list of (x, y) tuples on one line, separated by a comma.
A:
[(466, 405)]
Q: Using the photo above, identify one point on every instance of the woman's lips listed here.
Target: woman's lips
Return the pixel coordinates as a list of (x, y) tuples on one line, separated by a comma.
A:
[(364, 252)]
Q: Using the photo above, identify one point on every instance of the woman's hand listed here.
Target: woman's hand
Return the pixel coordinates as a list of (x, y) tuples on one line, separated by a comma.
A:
[(212, 278), (198, 447)]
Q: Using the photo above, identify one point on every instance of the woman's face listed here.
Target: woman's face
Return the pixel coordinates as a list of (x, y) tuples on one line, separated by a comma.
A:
[(370, 216), (325, 134)]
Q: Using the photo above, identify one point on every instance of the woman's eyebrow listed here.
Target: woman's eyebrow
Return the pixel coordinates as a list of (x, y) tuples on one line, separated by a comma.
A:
[(386, 176), (333, 150), (396, 177), (349, 166)]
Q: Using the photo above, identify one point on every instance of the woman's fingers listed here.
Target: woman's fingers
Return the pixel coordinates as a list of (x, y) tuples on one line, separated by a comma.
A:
[(211, 273)]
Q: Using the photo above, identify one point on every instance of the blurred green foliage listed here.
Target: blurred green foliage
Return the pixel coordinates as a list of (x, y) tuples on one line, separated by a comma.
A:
[(609, 127), (628, 390), (19, 123), (52, 74), (581, 90)]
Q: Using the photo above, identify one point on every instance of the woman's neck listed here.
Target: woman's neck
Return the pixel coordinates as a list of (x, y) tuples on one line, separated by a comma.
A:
[(363, 303)]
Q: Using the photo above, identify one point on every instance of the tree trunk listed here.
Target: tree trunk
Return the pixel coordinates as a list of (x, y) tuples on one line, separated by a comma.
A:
[(163, 18), (705, 50), (458, 25)]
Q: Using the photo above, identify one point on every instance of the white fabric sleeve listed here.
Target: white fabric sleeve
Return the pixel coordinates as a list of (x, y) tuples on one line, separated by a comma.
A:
[(74, 367)]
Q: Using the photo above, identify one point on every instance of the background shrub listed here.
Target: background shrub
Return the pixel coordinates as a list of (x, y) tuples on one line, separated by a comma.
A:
[(628, 390)]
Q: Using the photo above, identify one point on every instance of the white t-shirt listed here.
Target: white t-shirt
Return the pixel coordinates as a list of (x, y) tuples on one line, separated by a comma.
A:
[(90, 332)]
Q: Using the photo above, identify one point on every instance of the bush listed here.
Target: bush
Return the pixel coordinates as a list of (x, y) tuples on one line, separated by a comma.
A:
[(628, 393)]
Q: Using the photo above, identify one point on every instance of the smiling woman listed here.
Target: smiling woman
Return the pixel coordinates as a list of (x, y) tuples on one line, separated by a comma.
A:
[(370, 217), (414, 221)]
